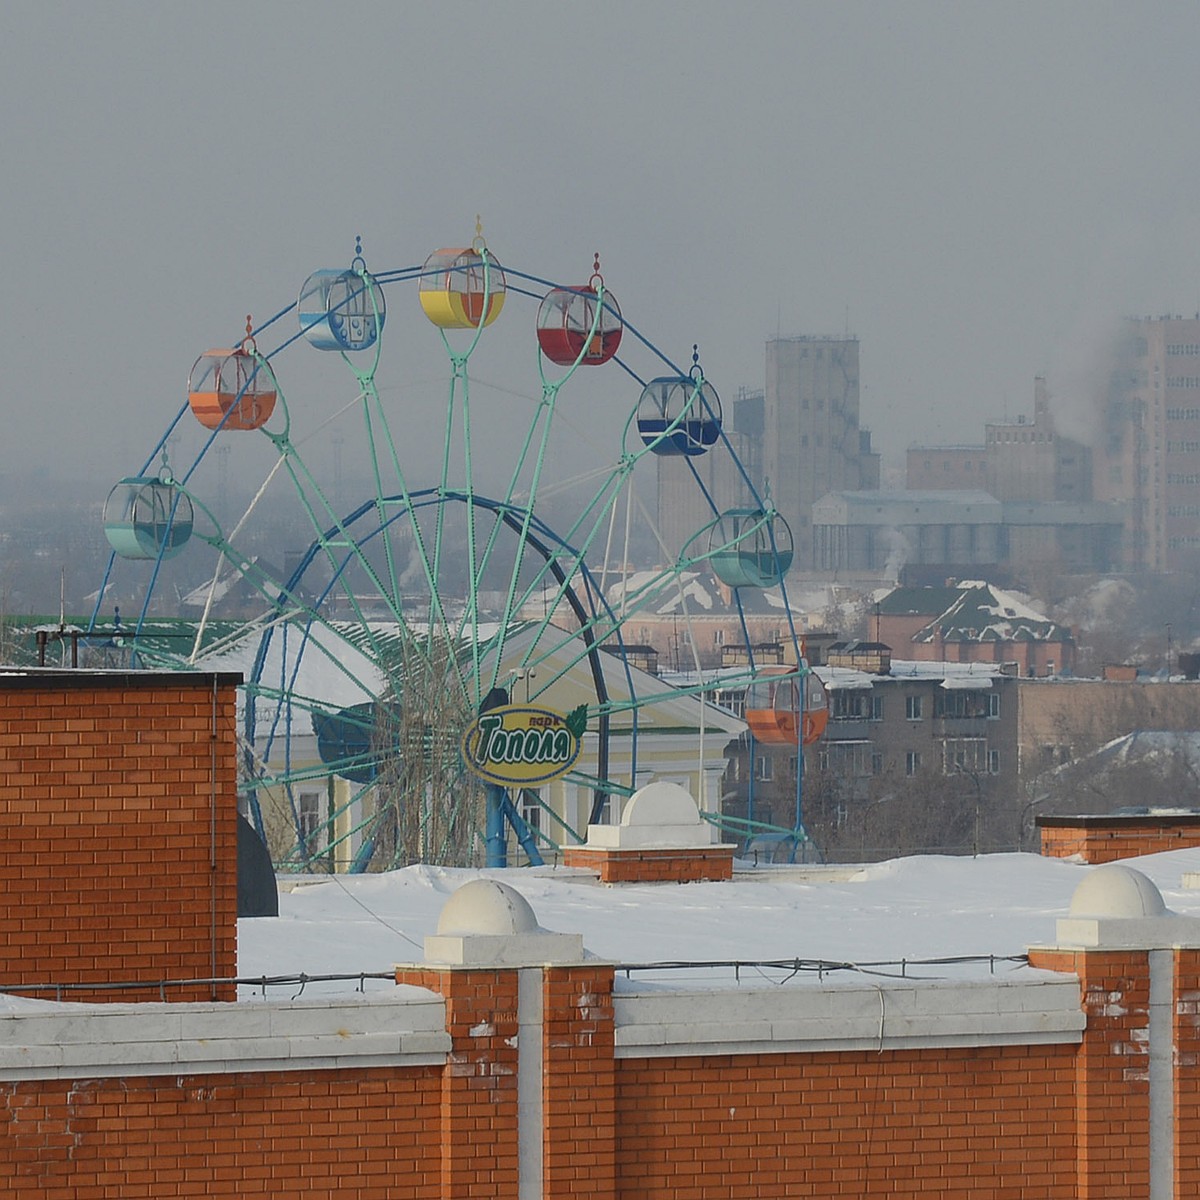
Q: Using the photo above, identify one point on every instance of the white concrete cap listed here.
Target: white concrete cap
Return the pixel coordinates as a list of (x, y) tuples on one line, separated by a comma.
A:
[(488, 923), (1118, 908), (659, 816)]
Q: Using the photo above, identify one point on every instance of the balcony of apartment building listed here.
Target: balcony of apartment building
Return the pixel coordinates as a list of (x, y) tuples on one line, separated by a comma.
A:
[(854, 714), (963, 707)]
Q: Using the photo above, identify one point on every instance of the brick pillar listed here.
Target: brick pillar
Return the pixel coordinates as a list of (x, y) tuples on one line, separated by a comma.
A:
[(1137, 1131), (479, 1081), (1112, 1070), (579, 1083), (1187, 1074)]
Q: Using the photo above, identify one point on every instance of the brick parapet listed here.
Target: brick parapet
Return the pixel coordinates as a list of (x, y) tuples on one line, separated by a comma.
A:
[(120, 796), (1097, 840), (352, 1135), (687, 865), (986, 1122)]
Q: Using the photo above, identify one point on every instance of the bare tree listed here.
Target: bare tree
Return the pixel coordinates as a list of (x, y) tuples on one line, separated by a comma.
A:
[(427, 807)]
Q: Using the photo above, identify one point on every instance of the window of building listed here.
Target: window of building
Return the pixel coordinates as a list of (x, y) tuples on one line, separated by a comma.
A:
[(849, 759), (963, 756), (876, 708), (764, 768), (960, 703), (850, 706), (531, 809), (993, 762), (912, 762), (912, 708), (876, 764), (310, 816), (993, 704)]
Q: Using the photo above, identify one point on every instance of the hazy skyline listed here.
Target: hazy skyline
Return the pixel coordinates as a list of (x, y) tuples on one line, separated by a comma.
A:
[(978, 192)]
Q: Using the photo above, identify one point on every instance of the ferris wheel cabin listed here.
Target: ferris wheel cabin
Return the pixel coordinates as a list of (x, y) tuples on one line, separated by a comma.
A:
[(679, 415), (235, 387), (341, 310), (784, 708), (750, 548), (147, 518), (462, 288), (579, 325)]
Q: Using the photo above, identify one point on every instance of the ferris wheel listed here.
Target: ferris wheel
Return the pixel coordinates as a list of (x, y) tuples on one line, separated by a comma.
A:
[(457, 570)]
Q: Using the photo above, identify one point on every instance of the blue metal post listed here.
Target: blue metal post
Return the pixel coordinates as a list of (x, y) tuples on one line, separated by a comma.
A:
[(521, 829), (750, 787), (497, 849)]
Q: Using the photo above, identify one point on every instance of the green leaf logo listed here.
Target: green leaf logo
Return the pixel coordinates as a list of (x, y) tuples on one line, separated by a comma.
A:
[(576, 721)]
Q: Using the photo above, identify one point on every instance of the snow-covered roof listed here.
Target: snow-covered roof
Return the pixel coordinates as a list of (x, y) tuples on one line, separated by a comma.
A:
[(973, 611), (695, 593), (1149, 746), (912, 908), (951, 675)]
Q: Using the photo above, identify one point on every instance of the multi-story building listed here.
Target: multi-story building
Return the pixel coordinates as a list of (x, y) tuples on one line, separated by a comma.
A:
[(1043, 482), (946, 469), (1150, 456), (812, 440), (930, 536), (972, 622), (1021, 460), (909, 721)]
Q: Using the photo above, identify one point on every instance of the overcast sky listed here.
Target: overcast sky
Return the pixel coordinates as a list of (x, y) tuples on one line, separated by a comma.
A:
[(978, 191)]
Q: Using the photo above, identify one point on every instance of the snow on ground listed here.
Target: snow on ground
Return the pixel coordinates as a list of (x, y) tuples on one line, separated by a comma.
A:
[(910, 908)]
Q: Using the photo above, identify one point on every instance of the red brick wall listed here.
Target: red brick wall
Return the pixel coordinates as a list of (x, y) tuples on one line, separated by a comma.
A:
[(986, 1123), (356, 1135), (115, 793), (653, 866), (1105, 844)]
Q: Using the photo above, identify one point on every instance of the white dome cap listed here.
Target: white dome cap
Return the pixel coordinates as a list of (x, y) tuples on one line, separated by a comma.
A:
[(1117, 891), (661, 803), (486, 923), (486, 906)]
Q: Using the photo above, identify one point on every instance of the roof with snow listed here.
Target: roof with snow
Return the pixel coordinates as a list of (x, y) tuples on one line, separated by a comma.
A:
[(911, 908), (695, 593), (973, 611), (1156, 749)]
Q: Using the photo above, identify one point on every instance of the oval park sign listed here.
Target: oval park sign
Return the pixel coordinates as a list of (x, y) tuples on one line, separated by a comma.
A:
[(515, 746)]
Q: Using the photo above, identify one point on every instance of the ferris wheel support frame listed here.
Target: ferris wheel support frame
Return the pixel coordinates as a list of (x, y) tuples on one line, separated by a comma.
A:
[(601, 624)]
